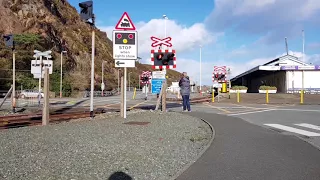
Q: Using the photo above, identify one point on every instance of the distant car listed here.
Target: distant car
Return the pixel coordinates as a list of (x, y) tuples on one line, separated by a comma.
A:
[(30, 94)]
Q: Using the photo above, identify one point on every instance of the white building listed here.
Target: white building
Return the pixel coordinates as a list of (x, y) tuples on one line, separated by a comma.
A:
[(286, 73)]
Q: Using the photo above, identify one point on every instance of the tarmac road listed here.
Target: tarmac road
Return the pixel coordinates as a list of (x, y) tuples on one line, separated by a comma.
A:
[(242, 150)]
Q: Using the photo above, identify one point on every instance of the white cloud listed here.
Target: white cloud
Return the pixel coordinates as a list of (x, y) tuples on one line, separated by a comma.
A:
[(183, 38), (273, 18)]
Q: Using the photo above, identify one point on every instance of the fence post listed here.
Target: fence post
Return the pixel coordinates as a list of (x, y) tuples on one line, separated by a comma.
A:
[(301, 96), (238, 96), (212, 95)]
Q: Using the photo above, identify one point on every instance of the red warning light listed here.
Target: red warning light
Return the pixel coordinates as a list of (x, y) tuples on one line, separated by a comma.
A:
[(130, 36), (119, 36)]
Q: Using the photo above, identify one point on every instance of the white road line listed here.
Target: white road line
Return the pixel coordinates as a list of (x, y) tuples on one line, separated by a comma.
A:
[(301, 110), (251, 112), (311, 126), (294, 130)]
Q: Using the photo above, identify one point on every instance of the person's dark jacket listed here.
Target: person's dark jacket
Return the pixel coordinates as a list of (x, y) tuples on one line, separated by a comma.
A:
[(184, 85)]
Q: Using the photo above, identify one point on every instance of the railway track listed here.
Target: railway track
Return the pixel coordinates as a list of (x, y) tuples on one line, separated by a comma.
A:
[(21, 120), (60, 115)]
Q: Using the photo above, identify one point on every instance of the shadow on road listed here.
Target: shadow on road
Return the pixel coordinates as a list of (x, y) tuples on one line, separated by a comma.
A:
[(120, 176), (69, 107)]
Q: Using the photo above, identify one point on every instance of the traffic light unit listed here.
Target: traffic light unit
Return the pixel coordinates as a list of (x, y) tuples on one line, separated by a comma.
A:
[(8, 39), (145, 77), (219, 77), (86, 11), (163, 59)]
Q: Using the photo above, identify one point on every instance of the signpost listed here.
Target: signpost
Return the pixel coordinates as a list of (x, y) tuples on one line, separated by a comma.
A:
[(145, 79), (156, 85), (125, 50), (40, 69)]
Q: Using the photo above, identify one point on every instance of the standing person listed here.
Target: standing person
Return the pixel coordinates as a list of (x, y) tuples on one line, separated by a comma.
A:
[(184, 85)]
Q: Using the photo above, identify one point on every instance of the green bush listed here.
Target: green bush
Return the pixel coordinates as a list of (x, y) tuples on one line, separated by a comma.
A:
[(267, 88), (239, 88)]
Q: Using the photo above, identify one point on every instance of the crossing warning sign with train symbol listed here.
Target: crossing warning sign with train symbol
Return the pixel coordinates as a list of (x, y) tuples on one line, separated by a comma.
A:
[(125, 23)]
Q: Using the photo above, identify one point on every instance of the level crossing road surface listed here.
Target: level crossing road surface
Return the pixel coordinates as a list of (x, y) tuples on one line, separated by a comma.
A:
[(242, 150), (301, 121)]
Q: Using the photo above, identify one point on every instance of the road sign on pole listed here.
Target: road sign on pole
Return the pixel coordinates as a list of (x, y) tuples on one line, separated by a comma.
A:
[(125, 45), (125, 23), (156, 85), (125, 51), (159, 42), (125, 63)]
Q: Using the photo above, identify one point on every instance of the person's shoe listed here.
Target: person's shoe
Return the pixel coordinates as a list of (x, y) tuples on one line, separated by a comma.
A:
[(184, 110)]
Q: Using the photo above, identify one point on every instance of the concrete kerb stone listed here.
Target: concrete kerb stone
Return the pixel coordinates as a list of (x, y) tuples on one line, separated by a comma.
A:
[(200, 154)]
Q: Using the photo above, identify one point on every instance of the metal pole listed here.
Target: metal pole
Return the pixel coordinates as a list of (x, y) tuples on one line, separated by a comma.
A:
[(303, 60), (129, 81), (40, 79), (139, 81), (146, 88), (125, 94), (165, 27), (61, 74), (14, 82), (118, 81), (102, 67), (92, 75), (200, 67)]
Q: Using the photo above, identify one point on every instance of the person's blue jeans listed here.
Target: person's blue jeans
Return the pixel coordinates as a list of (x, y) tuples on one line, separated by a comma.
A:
[(186, 102)]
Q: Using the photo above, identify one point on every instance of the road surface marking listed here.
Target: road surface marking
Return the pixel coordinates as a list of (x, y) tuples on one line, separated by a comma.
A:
[(137, 104), (251, 112), (226, 111), (247, 107), (311, 126), (294, 130), (301, 110)]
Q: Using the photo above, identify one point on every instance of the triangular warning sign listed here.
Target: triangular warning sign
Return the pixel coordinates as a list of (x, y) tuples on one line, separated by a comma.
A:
[(125, 23)]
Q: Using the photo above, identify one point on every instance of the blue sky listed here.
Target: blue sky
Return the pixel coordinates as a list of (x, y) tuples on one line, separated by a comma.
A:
[(237, 33)]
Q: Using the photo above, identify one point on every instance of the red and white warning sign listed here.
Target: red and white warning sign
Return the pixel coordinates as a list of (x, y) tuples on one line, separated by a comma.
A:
[(125, 23), (158, 42)]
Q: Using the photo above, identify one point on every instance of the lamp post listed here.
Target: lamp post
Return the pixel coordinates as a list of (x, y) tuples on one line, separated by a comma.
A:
[(102, 80), (165, 25), (200, 66), (61, 72)]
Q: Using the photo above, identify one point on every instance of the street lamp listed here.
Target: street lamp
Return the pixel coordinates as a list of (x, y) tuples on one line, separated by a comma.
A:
[(165, 25), (200, 66), (61, 72), (102, 82)]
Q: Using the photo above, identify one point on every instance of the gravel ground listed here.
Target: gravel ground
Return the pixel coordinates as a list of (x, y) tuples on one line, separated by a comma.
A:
[(99, 148)]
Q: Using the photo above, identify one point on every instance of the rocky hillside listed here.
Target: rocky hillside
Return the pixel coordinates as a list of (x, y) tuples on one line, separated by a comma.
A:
[(56, 25)]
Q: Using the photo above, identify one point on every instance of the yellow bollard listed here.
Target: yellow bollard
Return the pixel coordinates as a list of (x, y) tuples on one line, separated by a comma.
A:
[(267, 96), (134, 93), (301, 96), (238, 96), (212, 95)]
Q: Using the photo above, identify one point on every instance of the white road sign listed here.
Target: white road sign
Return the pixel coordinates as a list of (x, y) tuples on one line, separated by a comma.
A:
[(35, 66), (125, 45), (158, 75), (125, 63)]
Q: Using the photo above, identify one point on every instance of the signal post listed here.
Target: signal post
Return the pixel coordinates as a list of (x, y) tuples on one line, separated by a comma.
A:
[(163, 59), (125, 52)]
